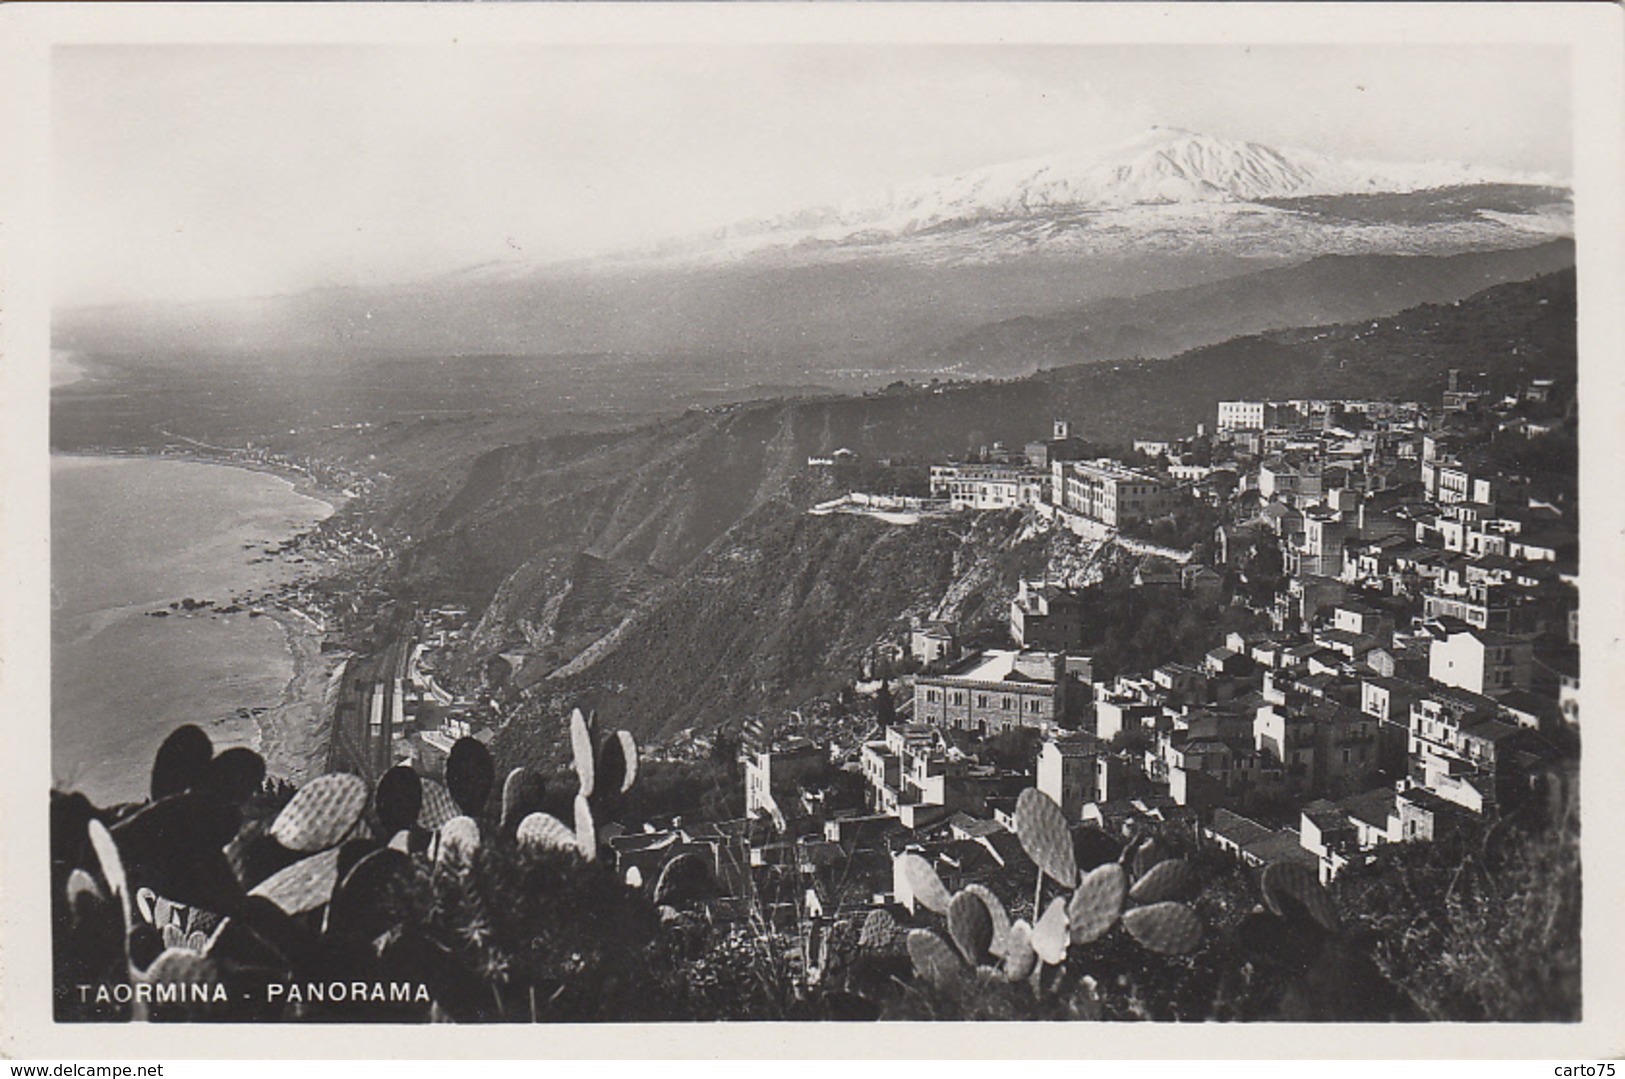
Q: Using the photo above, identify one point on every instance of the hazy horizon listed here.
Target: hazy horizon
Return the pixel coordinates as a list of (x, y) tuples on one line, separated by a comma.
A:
[(202, 172)]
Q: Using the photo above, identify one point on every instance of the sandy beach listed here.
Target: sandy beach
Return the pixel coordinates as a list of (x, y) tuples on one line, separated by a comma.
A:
[(294, 734)]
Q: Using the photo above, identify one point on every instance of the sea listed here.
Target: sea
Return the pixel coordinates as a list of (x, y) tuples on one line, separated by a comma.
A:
[(130, 536)]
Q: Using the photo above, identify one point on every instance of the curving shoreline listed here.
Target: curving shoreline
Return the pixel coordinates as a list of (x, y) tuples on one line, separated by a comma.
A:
[(292, 734), (295, 732)]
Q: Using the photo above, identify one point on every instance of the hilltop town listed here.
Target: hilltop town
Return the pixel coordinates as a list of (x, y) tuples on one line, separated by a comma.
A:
[(1388, 591)]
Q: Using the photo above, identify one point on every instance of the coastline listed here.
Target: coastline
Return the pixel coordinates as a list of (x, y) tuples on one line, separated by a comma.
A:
[(301, 482), (293, 734)]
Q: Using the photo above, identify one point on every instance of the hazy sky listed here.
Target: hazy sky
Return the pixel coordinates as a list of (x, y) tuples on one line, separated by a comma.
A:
[(184, 172)]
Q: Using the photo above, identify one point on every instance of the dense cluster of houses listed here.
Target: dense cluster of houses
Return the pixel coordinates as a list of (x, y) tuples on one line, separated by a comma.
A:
[(1413, 666)]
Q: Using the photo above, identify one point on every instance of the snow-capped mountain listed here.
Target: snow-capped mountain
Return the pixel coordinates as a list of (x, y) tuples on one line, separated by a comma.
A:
[(1169, 186)]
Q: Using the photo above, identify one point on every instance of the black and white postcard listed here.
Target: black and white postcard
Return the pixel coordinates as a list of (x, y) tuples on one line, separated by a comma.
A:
[(801, 514)]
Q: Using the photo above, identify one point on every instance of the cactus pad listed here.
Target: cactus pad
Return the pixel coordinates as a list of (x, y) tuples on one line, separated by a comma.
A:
[(586, 830), (1096, 904), (970, 924), (581, 749), (304, 885), (323, 812), (437, 808), (995, 910), (934, 960), (922, 882), (629, 754), (882, 935), (1169, 928), (236, 775), (1144, 856), (459, 838), (522, 794), (1290, 888), (545, 832), (1019, 956), (1050, 934), (397, 799), (370, 899), (470, 773), (1042, 830), (181, 762), (1172, 879)]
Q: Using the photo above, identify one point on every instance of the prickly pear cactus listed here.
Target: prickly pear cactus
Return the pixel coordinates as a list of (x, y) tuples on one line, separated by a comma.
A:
[(582, 751), (1049, 937), (438, 807), (1097, 903), (629, 754), (1289, 887), (522, 795), (181, 762), (470, 772), (922, 882), (997, 915), (323, 812), (933, 958), (397, 799), (1044, 835), (970, 924), (1169, 928), (459, 839), (1020, 959), (586, 830), (1171, 879), (545, 832), (304, 885), (882, 935)]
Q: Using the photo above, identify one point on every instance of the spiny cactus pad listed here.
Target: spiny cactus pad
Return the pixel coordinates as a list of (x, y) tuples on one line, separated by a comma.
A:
[(922, 882), (581, 748), (1019, 956), (881, 934), (397, 799), (1050, 934), (1147, 854), (459, 838), (323, 812), (546, 832), (586, 830), (933, 959), (1045, 837), (522, 795), (368, 901), (1169, 928), (629, 753), (304, 885), (1096, 904), (181, 762), (438, 808), (470, 772), (236, 775), (996, 911), (1172, 879), (1288, 886), (970, 924)]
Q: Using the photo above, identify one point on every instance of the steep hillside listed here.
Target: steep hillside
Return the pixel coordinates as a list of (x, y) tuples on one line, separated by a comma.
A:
[(1332, 288)]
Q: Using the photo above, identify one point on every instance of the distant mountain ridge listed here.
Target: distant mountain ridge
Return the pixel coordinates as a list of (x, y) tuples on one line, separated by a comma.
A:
[(1160, 166), (881, 284)]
